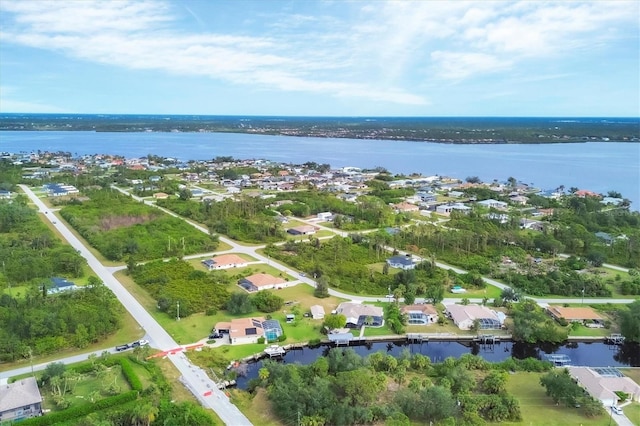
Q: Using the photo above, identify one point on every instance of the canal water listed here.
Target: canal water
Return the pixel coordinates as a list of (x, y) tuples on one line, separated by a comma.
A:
[(591, 354)]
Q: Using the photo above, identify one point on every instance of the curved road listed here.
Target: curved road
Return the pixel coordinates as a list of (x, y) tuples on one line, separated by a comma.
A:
[(193, 377)]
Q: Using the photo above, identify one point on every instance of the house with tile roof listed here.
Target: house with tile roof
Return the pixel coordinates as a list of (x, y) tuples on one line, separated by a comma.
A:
[(225, 261), (602, 383), (262, 281), (358, 313)]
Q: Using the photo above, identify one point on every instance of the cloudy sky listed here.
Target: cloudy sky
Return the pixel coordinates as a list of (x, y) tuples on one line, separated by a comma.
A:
[(324, 58)]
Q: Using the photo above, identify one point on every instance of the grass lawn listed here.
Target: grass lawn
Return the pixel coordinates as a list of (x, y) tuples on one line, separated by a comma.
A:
[(537, 408), (633, 372), (490, 292), (129, 332), (632, 411), (581, 330)]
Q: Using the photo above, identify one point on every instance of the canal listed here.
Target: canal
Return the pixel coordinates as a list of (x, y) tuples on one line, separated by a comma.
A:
[(591, 354)]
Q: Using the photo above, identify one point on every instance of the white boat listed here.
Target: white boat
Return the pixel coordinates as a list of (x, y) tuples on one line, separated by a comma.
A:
[(274, 350)]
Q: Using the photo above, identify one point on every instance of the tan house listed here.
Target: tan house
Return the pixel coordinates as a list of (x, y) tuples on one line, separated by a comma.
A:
[(464, 317), (249, 330), (225, 261), (302, 230), (405, 207), (602, 383), (578, 314), (357, 314), (424, 314), (262, 281)]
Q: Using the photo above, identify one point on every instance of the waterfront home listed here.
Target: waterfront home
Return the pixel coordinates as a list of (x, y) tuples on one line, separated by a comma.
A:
[(576, 314), (464, 317), (262, 281), (401, 262), (225, 261), (423, 314), (603, 383), (249, 330), (358, 314), (20, 400)]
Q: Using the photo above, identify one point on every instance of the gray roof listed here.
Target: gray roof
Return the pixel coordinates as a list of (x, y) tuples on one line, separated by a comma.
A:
[(19, 394)]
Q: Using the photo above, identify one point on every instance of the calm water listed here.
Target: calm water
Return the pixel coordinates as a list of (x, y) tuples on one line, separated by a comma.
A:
[(581, 354), (597, 166)]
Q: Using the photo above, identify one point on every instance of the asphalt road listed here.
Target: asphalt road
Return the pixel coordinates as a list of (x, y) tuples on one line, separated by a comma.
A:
[(193, 378)]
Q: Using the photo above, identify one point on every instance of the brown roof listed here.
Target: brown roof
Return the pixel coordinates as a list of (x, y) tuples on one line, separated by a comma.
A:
[(239, 326), (304, 228), (228, 259), (574, 313), (404, 206), (262, 279), (424, 308)]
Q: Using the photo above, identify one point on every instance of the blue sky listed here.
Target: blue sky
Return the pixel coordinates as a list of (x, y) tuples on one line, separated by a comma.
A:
[(321, 58)]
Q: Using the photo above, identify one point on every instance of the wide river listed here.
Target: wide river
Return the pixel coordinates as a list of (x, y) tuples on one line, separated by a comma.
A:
[(596, 166)]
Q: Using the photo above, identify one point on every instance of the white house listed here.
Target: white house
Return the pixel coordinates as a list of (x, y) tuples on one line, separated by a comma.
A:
[(465, 315), (401, 262), (20, 400), (446, 209), (225, 261), (602, 383), (424, 314), (324, 216), (495, 204), (358, 313), (262, 281)]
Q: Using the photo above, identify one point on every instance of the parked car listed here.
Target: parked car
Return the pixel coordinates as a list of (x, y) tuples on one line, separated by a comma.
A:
[(121, 348), (140, 342), (215, 336), (616, 409)]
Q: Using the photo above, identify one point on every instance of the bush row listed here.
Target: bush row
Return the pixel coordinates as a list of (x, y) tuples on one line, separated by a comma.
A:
[(130, 375), (80, 411)]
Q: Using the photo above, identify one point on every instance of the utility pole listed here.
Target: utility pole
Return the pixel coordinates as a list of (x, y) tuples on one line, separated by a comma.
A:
[(583, 295), (178, 310), (31, 359)]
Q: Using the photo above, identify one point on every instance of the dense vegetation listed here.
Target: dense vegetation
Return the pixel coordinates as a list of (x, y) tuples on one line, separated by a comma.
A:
[(43, 324), (531, 324), (448, 130), (244, 220), (177, 281), (344, 388), (562, 388), (30, 252), (120, 228), (103, 399)]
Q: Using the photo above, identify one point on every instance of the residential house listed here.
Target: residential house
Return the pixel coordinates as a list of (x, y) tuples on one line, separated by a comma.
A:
[(59, 285), (519, 199), (249, 330), (446, 209), (401, 262), (464, 317), (493, 204), (225, 261), (614, 201), (534, 225), (317, 312), (424, 314), (302, 230), (405, 207), (262, 281), (357, 314), (604, 237), (585, 193), (20, 400), (4, 194), (455, 194), (325, 216), (602, 383), (576, 314)]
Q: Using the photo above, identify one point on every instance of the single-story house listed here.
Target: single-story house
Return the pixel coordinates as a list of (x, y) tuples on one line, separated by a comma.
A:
[(491, 203), (577, 314), (535, 225), (405, 207), (602, 383), (60, 284), (317, 312), (401, 262), (424, 314), (262, 281), (20, 400), (446, 209), (456, 194), (464, 316), (603, 236), (5, 194), (225, 261), (324, 216), (358, 313), (302, 230), (249, 330)]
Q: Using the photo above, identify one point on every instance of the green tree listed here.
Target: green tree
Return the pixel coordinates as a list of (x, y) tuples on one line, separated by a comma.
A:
[(630, 322), (331, 322), (561, 388), (239, 304), (322, 288), (495, 382), (266, 301)]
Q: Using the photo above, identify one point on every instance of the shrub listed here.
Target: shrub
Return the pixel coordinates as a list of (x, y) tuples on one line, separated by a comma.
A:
[(261, 340), (282, 338), (130, 375)]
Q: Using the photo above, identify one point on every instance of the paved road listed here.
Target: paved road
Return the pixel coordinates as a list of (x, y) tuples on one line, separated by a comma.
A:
[(198, 383)]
